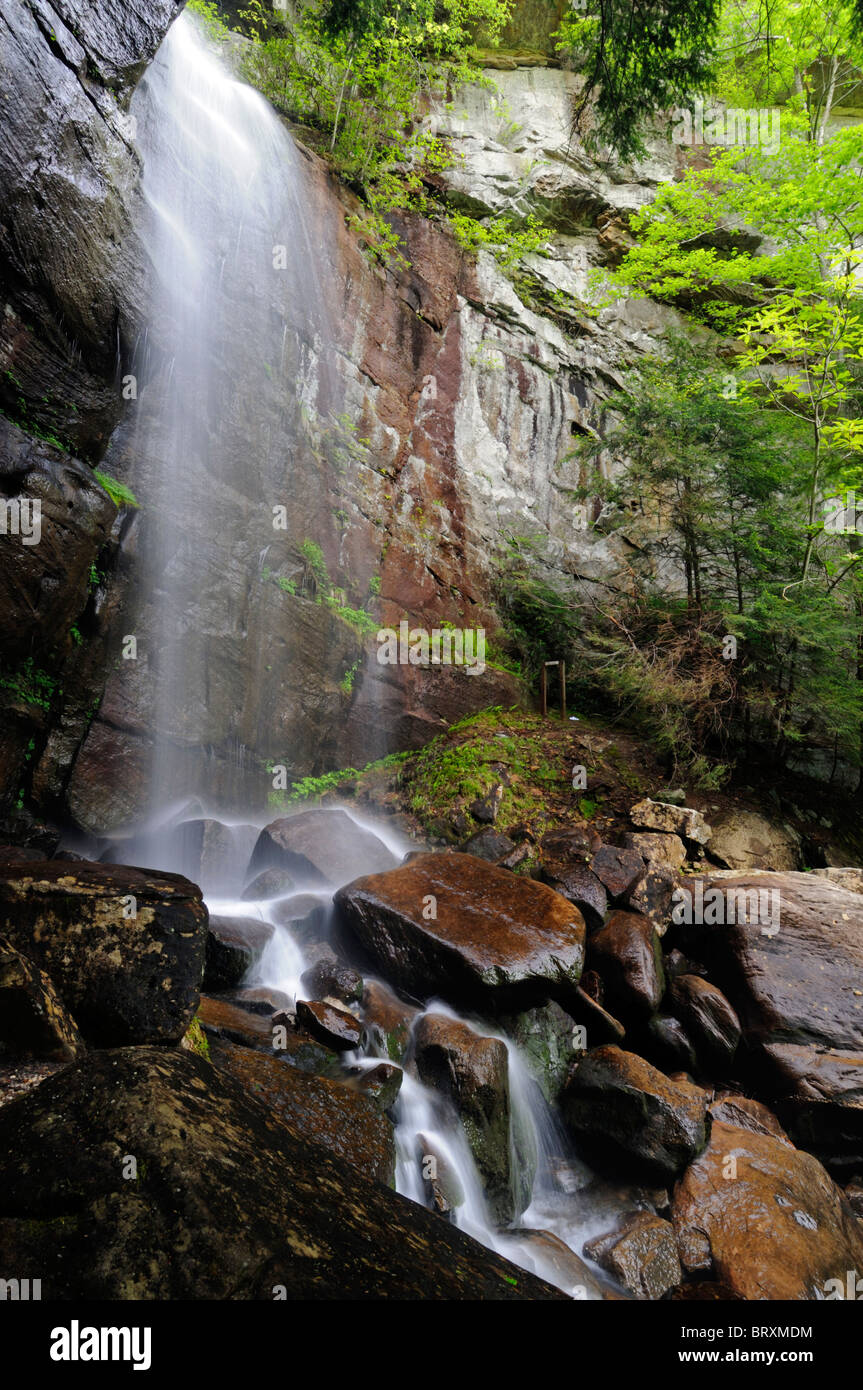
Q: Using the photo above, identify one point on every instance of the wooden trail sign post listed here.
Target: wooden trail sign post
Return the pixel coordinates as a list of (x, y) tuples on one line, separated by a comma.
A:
[(543, 687)]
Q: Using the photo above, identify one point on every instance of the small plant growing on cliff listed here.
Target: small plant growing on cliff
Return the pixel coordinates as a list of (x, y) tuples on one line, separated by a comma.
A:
[(119, 493)]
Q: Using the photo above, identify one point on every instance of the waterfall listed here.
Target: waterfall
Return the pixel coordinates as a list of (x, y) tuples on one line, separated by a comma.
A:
[(235, 353)]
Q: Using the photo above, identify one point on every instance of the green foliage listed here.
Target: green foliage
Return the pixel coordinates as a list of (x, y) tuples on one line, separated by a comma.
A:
[(639, 58), (315, 565), (362, 74), (720, 486), (207, 13), (119, 493), (540, 622), (507, 241), (31, 684)]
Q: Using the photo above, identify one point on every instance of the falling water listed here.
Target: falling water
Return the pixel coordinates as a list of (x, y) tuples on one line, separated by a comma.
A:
[(235, 350)]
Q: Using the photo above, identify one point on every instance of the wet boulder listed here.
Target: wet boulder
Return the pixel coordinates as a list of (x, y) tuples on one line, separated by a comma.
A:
[(582, 887), (320, 846), (216, 854), (381, 1084), (653, 895), (234, 945), (453, 925), (708, 1018), (547, 1041), (786, 950), (667, 1045), (622, 1110), (764, 1219), (228, 1203), (819, 1093), (743, 1112), (617, 869), (335, 1028), (124, 947), (641, 1254), (33, 1020), (270, 883), (331, 978), (627, 954), (388, 1020), (330, 1113), (224, 1020), (473, 1072)]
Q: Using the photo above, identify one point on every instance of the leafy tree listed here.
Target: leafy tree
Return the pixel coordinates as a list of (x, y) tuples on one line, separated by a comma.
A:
[(806, 54), (639, 59)]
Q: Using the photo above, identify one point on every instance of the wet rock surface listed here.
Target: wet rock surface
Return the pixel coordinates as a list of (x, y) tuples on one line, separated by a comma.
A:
[(627, 954), (325, 1112), (626, 1111), (251, 1205), (33, 1021), (777, 1228), (324, 846), (496, 938), (124, 948), (641, 1254), (473, 1072), (234, 944)]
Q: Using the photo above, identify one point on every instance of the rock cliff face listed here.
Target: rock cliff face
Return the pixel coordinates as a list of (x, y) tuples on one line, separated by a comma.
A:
[(464, 395)]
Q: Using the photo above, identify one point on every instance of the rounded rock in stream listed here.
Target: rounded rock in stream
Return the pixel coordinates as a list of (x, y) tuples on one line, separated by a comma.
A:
[(453, 925), (321, 845)]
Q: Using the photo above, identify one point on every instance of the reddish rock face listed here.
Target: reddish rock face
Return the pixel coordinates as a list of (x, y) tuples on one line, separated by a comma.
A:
[(770, 1225), (453, 925)]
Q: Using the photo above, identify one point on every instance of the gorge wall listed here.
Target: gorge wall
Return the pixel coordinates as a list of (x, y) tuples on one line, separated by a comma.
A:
[(438, 420)]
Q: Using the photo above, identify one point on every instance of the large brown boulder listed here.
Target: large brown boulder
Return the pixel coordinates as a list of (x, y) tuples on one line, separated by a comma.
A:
[(453, 925), (124, 947), (622, 1110), (337, 1116), (792, 969), (224, 1201), (320, 846), (763, 1218)]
